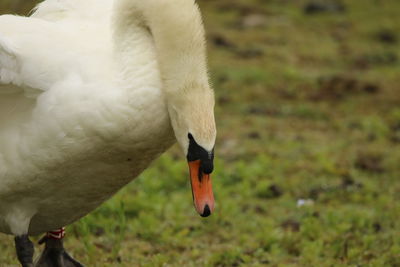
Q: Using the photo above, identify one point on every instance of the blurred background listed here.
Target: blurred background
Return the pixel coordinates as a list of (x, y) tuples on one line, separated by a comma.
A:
[(308, 153)]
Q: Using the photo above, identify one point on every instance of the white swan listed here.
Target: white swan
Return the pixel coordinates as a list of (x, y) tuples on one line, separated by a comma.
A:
[(90, 93)]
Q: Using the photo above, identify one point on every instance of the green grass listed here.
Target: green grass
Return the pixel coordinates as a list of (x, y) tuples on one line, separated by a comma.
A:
[(297, 119)]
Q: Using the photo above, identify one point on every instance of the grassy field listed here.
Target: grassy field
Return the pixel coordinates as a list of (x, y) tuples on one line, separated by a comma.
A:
[(308, 153)]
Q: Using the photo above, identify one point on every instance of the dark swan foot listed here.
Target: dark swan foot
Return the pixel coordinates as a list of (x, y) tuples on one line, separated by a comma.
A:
[(54, 254), (25, 250)]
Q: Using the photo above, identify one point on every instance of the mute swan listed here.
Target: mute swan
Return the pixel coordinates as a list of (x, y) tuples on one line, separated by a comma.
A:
[(90, 93)]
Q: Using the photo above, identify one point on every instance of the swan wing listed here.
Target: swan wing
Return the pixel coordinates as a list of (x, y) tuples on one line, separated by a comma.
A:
[(19, 86), (11, 78), (28, 56), (44, 61)]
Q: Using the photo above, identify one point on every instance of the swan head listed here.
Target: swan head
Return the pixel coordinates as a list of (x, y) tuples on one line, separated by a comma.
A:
[(192, 118)]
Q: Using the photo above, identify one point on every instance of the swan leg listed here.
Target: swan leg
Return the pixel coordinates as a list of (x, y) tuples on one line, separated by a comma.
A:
[(25, 250), (54, 254)]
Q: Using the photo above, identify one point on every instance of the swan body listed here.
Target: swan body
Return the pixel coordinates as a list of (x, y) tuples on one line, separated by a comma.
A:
[(91, 92)]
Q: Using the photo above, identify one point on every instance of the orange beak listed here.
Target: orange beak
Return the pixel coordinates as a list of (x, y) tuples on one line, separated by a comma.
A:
[(203, 196)]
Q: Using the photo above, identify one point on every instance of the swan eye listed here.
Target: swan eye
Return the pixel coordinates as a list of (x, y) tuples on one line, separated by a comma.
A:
[(196, 152)]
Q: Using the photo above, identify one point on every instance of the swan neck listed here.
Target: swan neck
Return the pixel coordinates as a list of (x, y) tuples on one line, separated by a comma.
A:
[(177, 32)]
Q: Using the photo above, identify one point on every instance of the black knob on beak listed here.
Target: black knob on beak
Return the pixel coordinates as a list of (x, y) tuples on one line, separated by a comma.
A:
[(206, 211), (207, 166)]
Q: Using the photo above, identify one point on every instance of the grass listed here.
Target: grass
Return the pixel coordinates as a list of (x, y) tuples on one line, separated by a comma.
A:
[(308, 109)]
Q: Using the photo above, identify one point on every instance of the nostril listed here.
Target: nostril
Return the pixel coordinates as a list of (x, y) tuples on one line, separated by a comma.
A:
[(206, 211)]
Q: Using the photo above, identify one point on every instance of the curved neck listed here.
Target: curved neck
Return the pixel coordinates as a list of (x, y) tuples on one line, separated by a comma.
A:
[(177, 31), (174, 30)]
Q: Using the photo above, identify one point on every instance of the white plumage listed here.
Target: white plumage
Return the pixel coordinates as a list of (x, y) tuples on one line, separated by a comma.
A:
[(88, 93)]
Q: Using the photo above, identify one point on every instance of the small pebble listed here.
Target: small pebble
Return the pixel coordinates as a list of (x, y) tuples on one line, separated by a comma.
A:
[(305, 202)]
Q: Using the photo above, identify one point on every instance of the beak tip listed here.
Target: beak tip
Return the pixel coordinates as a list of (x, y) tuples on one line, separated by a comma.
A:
[(206, 211)]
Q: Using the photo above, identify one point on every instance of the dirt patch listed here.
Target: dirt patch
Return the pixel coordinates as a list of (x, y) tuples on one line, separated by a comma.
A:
[(254, 135), (264, 111), (291, 225), (317, 7), (249, 53), (369, 162), (370, 60), (273, 191), (254, 21), (338, 87), (241, 9), (395, 134), (347, 184), (221, 41), (386, 36)]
